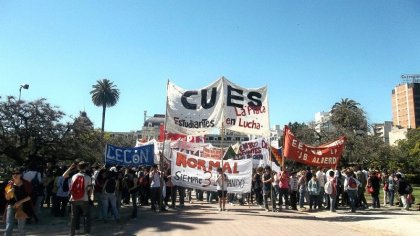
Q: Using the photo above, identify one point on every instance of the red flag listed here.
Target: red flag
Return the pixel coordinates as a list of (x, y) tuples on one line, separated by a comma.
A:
[(326, 155)]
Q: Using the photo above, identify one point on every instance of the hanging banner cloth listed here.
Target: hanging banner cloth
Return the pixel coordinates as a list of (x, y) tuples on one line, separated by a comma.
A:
[(222, 104), (201, 173), (327, 155)]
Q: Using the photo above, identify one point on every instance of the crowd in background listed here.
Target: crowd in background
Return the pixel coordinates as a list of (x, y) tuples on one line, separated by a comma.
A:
[(108, 188)]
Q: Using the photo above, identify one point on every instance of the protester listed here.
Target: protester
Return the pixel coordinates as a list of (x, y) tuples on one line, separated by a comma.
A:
[(267, 179), (391, 188), (80, 190), (294, 188), (283, 189), (18, 197), (221, 186), (374, 184), (258, 186), (320, 176), (302, 188), (351, 185), (332, 180), (361, 199), (61, 198), (403, 191), (109, 199), (155, 187), (313, 190)]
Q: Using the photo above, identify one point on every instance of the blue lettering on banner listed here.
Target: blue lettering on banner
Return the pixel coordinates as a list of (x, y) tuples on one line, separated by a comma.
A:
[(138, 156)]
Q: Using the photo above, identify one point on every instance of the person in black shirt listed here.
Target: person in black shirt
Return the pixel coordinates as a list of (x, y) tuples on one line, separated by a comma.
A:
[(17, 194)]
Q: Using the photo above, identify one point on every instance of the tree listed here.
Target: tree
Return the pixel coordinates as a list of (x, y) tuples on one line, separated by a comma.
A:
[(29, 129), (347, 116), (104, 94), (410, 151)]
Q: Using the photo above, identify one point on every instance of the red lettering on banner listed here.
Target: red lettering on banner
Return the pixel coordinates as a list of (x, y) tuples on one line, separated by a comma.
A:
[(200, 164), (249, 110), (249, 124)]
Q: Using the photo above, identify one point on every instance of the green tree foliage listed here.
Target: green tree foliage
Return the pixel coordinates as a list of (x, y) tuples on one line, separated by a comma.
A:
[(33, 131), (104, 94), (121, 140), (83, 141), (29, 129), (346, 115), (410, 151)]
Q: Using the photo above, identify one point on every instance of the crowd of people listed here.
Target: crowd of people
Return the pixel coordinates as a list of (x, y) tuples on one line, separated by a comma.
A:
[(96, 191)]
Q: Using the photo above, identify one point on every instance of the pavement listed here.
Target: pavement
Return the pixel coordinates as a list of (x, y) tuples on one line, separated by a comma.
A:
[(202, 218)]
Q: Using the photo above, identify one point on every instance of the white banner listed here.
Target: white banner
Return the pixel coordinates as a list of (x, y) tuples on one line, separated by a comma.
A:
[(194, 112), (197, 112), (246, 110), (201, 173)]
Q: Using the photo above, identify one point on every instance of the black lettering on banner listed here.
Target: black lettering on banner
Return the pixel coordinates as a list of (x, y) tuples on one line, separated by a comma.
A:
[(231, 97), (255, 102), (185, 102), (210, 104)]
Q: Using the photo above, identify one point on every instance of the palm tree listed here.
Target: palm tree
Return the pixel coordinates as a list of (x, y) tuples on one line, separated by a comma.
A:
[(104, 94), (347, 104), (348, 115)]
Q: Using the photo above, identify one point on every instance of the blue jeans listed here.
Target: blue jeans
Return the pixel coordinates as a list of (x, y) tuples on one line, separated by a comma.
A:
[(10, 221), (332, 199), (109, 199), (302, 193), (352, 198), (391, 194)]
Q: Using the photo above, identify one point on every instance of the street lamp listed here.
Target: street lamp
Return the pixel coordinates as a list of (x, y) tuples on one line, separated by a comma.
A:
[(24, 86)]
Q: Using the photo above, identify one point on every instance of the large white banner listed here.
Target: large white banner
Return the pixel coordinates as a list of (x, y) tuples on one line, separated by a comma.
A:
[(201, 173), (221, 104), (194, 112)]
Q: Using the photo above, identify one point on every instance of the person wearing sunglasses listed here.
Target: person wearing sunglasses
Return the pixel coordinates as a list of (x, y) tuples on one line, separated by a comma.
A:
[(18, 198)]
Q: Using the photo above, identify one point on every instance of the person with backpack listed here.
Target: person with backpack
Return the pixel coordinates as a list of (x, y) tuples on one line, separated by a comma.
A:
[(61, 198), (330, 188), (404, 189), (109, 196), (351, 185), (361, 199), (80, 190), (33, 176)]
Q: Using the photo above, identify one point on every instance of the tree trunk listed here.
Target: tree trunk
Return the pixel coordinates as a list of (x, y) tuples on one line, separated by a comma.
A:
[(103, 118)]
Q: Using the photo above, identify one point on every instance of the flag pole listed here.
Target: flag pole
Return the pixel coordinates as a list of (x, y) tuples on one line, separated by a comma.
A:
[(162, 156)]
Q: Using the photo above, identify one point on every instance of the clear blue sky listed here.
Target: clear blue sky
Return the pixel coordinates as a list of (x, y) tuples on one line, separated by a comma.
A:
[(310, 54)]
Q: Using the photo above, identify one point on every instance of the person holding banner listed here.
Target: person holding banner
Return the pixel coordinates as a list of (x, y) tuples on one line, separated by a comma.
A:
[(221, 181)]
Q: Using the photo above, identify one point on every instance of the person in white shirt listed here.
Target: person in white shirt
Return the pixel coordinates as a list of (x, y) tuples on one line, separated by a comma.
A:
[(221, 181)]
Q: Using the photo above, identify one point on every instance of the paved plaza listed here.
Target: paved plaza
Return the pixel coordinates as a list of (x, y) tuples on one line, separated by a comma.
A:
[(203, 219)]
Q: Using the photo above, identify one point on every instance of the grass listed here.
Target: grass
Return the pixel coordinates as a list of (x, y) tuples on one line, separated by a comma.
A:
[(416, 194)]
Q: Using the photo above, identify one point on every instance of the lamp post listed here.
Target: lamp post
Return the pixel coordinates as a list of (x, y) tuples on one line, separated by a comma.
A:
[(24, 86)]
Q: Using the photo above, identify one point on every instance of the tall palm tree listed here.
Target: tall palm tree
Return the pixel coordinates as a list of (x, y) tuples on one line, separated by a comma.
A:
[(345, 103), (348, 115), (104, 94)]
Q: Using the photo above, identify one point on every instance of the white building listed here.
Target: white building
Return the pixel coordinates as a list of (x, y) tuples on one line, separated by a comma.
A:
[(323, 122)]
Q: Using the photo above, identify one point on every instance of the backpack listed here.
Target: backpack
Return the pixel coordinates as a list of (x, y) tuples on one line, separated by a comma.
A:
[(328, 188), (78, 188), (38, 187), (352, 183), (65, 185), (110, 185)]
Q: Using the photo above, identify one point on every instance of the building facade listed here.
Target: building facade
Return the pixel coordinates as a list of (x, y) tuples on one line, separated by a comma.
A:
[(406, 102)]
